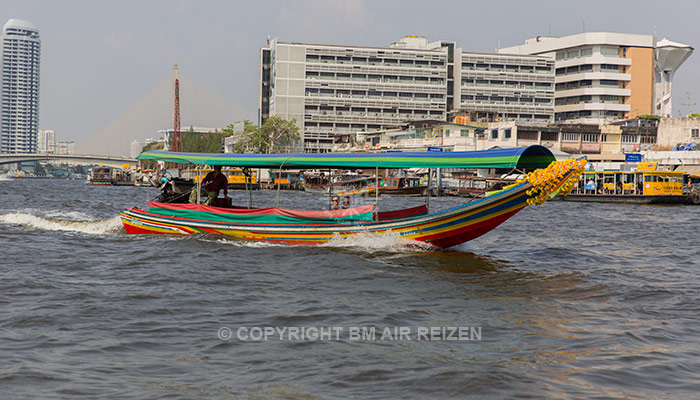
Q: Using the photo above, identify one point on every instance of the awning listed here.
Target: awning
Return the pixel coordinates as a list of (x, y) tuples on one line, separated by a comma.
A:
[(692, 170), (518, 157)]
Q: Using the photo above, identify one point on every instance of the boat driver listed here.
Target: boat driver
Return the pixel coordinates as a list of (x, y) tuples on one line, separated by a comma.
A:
[(211, 185)]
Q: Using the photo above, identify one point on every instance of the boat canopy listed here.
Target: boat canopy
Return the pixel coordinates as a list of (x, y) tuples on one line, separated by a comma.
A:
[(519, 157)]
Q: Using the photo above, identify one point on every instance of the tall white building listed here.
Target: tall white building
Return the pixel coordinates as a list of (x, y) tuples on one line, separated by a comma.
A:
[(606, 76), (46, 141), (19, 114), (336, 91)]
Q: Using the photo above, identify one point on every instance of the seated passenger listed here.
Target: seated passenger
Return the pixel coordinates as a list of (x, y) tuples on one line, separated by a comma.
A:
[(211, 185)]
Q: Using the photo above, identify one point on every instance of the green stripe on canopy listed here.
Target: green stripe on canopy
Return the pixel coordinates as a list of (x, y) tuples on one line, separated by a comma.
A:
[(519, 157)]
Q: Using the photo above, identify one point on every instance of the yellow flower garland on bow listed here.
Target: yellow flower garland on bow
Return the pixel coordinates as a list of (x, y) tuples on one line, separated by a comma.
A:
[(554, 180)]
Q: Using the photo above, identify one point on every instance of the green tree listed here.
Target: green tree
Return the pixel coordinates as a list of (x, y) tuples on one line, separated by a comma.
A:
[(649, 116), (275, 135), (694, 115)]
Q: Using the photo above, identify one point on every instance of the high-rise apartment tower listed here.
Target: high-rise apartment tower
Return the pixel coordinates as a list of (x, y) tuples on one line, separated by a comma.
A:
[(19, 114)]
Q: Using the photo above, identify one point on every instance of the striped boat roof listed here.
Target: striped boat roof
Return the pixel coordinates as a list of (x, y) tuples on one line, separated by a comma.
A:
[(518, 157)]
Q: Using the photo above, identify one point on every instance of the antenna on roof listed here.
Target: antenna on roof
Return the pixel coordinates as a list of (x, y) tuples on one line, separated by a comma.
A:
[(584, 26), (549, 30)]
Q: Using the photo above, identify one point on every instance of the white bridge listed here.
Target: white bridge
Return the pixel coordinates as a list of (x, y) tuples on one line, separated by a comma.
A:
[(83, 159)]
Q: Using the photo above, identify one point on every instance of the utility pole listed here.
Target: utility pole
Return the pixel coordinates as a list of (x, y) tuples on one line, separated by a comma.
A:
[(689, 104)]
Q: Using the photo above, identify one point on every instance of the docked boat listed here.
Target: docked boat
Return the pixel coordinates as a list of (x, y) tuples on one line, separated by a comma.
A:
[(646, 185), (100, 176), (238, 178), (401, 186), (442, 229)]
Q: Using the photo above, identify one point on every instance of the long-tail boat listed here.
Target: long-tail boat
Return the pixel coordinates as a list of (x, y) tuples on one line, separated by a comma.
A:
[(442, 229)]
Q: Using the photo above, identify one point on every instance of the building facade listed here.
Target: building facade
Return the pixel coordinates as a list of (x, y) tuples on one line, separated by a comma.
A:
[(678, 131), (65, 147), (605, 76), (46, 141), (508, 87), (335, 91), (19, 114)]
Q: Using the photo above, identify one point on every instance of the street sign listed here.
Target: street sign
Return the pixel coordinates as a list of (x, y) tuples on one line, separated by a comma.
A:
[(435, 149), (633, 157)]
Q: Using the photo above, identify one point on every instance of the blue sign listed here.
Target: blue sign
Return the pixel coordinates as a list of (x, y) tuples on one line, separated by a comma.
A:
[(435, 149), (633, 157), (394, 151)]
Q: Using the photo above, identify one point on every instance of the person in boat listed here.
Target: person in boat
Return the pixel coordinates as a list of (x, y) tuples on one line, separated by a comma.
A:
[(335, 203), (212, 184), (346, 202)]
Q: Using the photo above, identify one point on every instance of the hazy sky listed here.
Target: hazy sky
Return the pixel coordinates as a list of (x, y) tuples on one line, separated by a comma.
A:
[(99, 57)]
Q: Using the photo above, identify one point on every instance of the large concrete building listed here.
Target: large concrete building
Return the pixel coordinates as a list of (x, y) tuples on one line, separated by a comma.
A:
[(605, 76), (335, 91), (19, 114)]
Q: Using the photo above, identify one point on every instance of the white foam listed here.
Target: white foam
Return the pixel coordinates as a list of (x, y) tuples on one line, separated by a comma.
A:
[(392, 242), (379, 241), (96, 227)]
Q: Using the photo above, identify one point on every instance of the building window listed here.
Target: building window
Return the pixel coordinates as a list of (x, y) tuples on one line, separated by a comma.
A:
[(569, 137), (589, 137), (464, 132), (603, 138), (610, 51), (629, 138), (586, 52), (494, 133), (695, 132), (506, 134)]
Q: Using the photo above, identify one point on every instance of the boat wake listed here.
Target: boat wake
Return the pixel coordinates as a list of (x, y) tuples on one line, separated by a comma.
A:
[(95, 227), (390, 242), (379, 241)]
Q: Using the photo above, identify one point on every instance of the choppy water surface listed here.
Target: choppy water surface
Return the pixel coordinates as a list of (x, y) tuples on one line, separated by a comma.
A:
[(573, 300)]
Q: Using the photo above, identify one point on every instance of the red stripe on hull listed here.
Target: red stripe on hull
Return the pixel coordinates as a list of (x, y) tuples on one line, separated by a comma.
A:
[(134, 230), (468, 232)]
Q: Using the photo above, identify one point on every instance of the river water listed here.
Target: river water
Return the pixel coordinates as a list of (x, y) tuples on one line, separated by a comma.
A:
[(563, 300)]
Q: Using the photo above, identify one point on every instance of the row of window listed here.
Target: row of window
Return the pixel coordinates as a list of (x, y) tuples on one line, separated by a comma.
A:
[(506, 133), (393, 62), (507, 84), (607, 51), (354, 109), (506, 68), (507, 99), (376, 113), (575, 69), (588, 99), (372, 94), (340, 76), (587, 114), (587, 83)]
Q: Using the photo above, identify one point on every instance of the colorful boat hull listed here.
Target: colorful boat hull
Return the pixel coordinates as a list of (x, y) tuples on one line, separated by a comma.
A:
[(441, 229)]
